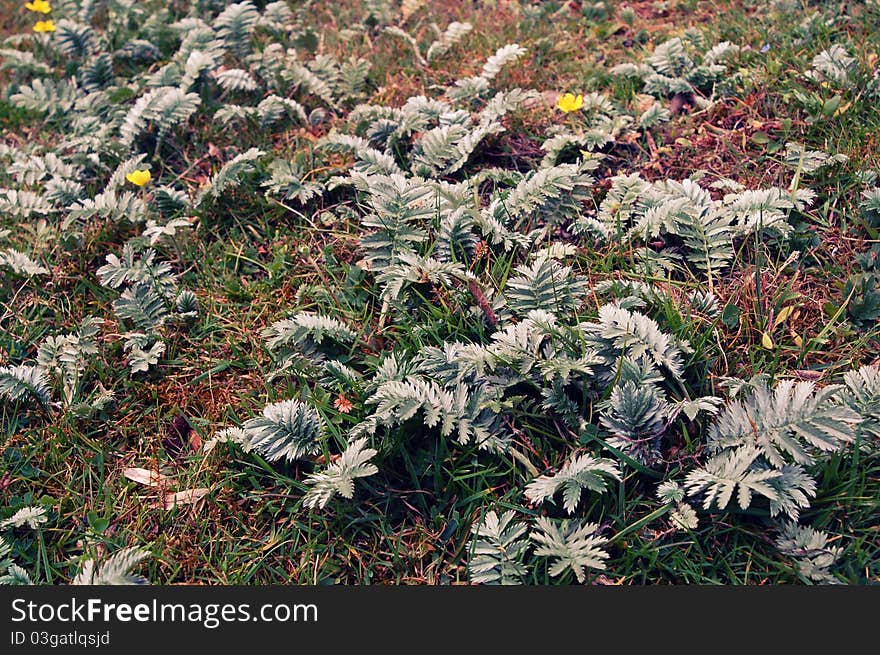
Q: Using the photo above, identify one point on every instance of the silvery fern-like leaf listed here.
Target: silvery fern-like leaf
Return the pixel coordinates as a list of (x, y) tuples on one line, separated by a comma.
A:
[(165, 107), (371, 161), (138, 50), (63, 192), (453, 33), (653, 115), (583, 472), (35, 168), (74, 40), (637, 417), (812, 555), (171, 108), (740, 470), (456, 239), (399, 400), (621, 332), (809, 161), (32, 517), (23, 62), (230, 175), (468, 89), (277, 16), (834, 65), (757, 209), (187, 304), (67, 355), (135, 268), (198, 65), (113, 570), (351, 82), (862, 394), (505, 55), (551, 195), (24, 203), (870, 205), (794, 421), (235, 25), (545, 285), (665, 85), (143, 351), (704, 302), (47, 96), (670, 58), (720, 53), (196, 35), (20, 263), (692, 408), (339, 477), (303, 78), (573, 544), (407, 38), (436, 149), (620, 203), (19, 381), (307, 325), (497, 549), (236, 79), (233, 435), (110, 204), (708, 237), (98, 73), (503, 103), (143, 305), (399, 207), (288, 429), (287, 181), (566, 142), (16, 576), (159, 232), (683, 517), (410, 269), (670, 491), (169, 201), (273, 109), (629, 69)]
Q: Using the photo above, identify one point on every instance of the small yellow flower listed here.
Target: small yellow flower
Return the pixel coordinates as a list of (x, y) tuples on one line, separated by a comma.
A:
[(44, 26), (39, 6), (138, 177), (569, 102)]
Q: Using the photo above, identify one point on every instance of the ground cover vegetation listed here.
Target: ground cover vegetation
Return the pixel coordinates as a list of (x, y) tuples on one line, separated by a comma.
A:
[(456, 292)]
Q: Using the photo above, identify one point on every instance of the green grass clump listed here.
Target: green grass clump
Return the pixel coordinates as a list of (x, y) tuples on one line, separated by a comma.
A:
[(384, 312)]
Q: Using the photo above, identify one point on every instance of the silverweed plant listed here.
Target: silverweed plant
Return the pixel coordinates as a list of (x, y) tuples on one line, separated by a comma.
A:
[(468, 314)]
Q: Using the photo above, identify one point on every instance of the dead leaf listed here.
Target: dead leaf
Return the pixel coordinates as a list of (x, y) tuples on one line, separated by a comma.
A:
[(187, 497), (145, 476), (783, 314), (176, 436)]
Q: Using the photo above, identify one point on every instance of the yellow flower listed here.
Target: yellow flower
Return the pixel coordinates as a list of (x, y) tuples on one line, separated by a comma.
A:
[(138, 177), (569, 102), (44, 26), (39, 6)]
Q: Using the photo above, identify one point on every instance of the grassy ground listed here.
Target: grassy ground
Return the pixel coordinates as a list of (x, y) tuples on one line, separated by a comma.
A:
[(251, 263)]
